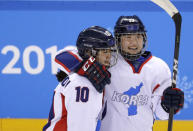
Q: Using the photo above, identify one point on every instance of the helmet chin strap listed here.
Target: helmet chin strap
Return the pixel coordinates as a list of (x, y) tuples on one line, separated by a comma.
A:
[(130, 57)]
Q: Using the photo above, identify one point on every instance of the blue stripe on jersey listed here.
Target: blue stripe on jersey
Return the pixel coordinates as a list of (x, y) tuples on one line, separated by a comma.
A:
[(51, 115), (98, 125), (68, 60)]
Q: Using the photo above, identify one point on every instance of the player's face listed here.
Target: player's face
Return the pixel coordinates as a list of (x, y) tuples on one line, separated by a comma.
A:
[(104, 57), (132, 43)]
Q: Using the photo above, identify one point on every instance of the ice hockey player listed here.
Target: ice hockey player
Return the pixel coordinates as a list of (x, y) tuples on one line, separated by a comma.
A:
[(76, 103)]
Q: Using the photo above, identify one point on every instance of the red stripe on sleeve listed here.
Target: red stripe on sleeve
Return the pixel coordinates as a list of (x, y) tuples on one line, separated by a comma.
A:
[(158, 85), (103, 97), (61, 125), (57, 61), (75, 56)]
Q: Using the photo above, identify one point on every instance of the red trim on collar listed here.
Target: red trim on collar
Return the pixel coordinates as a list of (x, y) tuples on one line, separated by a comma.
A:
[(132, 67), (144, 64), (140, 68)]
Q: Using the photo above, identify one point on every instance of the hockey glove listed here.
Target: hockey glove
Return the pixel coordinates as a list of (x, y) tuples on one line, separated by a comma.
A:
[(172, 97), (96, 73)]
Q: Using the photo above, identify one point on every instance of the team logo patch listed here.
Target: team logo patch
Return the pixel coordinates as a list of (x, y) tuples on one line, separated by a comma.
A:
[(131, 99)]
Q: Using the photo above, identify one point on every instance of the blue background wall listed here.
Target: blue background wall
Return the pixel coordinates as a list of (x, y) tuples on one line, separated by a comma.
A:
[(54, 24)]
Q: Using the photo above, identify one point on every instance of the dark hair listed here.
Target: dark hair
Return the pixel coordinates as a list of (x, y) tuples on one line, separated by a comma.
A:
[(61, 75)]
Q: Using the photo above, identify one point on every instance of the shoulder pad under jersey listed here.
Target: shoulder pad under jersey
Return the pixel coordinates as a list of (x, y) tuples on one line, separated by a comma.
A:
[(68, 59)]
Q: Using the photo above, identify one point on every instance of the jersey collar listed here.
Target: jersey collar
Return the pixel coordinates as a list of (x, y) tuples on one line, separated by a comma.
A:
[(139, 63)]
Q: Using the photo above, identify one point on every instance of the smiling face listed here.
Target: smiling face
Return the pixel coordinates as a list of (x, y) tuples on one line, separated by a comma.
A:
[(132, 43)]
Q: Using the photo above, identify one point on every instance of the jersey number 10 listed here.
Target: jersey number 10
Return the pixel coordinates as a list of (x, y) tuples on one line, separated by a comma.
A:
[(82, 94)]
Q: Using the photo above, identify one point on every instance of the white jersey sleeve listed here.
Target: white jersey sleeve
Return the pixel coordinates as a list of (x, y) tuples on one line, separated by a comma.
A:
[(161, 82), (76, 105)]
